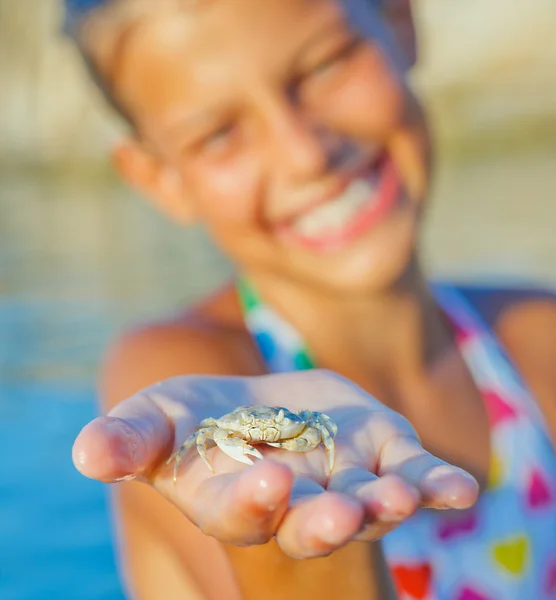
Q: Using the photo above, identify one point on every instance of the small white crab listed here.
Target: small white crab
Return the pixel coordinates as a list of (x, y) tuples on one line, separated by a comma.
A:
[(275, 426)]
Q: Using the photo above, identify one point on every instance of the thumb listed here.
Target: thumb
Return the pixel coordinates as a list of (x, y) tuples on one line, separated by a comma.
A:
[(126, 444)]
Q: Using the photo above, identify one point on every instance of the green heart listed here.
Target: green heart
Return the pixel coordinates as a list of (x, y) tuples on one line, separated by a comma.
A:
[(512, 554)]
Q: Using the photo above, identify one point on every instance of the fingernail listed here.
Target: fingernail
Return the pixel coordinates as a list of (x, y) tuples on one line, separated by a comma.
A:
[(389, 515), (450, 482), (264, 496), (80, 458), (444, 472), (129, 437), (393, 517), (122, 479)]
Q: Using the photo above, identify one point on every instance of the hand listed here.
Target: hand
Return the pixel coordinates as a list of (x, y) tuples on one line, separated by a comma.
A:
[(381, 472)]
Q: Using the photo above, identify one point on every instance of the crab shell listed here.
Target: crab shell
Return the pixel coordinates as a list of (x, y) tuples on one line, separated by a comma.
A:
[(237, 432), (262, 424)]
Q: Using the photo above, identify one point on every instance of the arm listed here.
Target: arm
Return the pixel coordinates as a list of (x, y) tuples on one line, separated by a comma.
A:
[(288, 498), (528, 331), (164, 554)]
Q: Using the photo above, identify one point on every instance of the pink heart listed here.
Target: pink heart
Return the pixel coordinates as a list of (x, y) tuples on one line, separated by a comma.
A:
[(498, 410), (551, 579), (539, 493), (455, 524), (469, 594)]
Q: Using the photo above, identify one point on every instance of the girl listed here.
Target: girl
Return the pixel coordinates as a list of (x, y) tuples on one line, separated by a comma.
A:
[(287, 128)]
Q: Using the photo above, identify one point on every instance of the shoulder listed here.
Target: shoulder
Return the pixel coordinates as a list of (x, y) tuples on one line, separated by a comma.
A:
[(524, 320), (208, 339)]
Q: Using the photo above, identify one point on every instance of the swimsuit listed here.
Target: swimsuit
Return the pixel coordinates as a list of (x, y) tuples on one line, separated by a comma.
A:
[(504, 547)]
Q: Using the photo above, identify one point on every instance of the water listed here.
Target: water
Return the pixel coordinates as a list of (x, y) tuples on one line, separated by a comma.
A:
[(57, 541), (81, 258)]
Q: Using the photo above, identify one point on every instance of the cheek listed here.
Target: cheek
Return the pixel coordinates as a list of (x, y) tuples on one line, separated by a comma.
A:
[(226, 193), (371, 102), (412, 150)]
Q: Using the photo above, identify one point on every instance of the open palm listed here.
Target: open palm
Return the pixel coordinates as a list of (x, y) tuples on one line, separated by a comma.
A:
[(381, 473)]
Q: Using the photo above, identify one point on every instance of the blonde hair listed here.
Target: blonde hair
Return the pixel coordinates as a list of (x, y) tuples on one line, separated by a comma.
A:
[(87, 23), (98, 29)]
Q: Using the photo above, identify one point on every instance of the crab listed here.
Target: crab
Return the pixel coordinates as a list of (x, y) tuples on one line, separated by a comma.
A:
[(235, 432)]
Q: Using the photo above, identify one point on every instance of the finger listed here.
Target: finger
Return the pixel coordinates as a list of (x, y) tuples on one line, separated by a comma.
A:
[(387, 501), (318, 522), (133, 440), (440, 484), (242, 508)]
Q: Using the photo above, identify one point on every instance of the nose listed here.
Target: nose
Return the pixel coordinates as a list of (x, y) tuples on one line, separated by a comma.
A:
[(299, 148)]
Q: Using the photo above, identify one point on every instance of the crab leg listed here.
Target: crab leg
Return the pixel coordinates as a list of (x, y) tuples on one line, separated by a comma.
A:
[(199, 438), (328, 441), (325, 420), (181, 452), (203, 434), (327, 429), (307, 440), (314, 417), (310, 439), (235, 447)]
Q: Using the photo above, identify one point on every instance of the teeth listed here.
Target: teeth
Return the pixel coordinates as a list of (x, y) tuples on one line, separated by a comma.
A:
[(333, 216)]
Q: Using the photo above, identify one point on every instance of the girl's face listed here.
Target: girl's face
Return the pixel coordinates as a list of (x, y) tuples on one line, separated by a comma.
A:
[(284, 127)]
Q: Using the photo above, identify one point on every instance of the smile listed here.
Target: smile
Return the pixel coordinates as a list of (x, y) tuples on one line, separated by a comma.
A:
[(363, 202)]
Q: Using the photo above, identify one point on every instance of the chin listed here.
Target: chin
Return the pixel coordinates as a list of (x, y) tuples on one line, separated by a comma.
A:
[(369, 271), (377, 264)]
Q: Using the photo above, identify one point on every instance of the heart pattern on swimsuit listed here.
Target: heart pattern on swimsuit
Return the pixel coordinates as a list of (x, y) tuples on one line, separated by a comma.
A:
[(512, 555), (550, 585), (455, 525), (470, 594), (538, 494), (498, 410), (413, 580)]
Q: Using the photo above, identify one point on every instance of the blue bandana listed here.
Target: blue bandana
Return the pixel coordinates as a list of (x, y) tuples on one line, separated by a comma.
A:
[(80, 7), (76, 9)]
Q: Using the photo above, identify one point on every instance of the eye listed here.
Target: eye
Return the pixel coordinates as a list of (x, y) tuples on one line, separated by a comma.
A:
[(218, 138), (336, 58)]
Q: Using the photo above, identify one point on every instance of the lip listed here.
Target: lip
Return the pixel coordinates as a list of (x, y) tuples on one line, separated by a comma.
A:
[(365, 218), (336, 189)]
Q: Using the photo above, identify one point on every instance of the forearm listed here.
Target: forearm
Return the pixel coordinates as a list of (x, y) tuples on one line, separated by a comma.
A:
[(357, 571), (158, 561), (163, 555)]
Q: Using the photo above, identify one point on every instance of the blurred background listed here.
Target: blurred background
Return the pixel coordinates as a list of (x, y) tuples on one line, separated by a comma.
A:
[(81, 257)]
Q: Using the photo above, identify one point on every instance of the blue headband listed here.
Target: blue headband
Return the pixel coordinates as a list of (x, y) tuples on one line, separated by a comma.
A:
[(76, 9), (80, 7)]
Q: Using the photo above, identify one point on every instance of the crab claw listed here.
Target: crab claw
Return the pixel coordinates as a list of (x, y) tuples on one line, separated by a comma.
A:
[(238, 449)]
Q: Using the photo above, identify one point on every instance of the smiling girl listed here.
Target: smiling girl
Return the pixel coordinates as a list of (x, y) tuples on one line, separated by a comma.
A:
[(287, 128)]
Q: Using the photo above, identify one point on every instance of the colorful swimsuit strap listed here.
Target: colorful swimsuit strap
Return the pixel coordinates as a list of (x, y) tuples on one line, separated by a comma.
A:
[(280, 345), (487, 360), (284, 350), (277, 339)]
